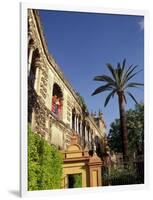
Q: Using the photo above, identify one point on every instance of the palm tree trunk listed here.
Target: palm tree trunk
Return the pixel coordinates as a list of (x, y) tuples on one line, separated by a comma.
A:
[(123, 127)]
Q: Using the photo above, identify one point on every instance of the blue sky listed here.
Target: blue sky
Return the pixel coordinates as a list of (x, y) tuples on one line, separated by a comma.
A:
[(83, 43)]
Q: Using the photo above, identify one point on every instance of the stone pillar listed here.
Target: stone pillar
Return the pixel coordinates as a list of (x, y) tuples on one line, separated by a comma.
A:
[(37, 77), (31, 50), (30, 25), (80, 128), (95, 173), (88, 134), (74, 122), (85, 133), (77, 127), (89, 139), (92, 139)]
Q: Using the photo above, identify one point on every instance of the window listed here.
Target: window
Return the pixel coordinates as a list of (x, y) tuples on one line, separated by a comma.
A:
[(57, 101)]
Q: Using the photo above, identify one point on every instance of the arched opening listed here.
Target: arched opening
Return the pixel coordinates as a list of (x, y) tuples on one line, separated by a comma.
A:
[(30, 44), (32, 74), (79, 125), (57, 101), (73, 118), (31, 79)]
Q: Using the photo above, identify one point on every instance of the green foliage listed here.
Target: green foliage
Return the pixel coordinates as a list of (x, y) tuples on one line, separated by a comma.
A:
[(114, 137), (118, 84), (75, 180), (118, 81), (78, 180), (135, 125), (121, 175), (44, 164), (124, 176)]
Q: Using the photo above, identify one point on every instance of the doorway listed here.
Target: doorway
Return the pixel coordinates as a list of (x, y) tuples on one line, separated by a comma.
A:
[(75, 181)]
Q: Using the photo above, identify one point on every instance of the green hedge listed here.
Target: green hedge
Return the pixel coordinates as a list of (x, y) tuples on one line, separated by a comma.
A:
[(44, 164)]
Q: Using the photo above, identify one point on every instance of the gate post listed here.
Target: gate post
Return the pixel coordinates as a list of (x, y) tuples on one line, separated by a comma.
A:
[(95, 172)]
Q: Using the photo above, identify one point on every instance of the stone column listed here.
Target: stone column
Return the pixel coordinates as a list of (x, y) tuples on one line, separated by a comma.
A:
[(80, 128), (85, 133), (91, 136), (37, 77), (95, 172), (29, 28), (90, 139), (31, 50), (75, 122), (78, 124), (88, 134)]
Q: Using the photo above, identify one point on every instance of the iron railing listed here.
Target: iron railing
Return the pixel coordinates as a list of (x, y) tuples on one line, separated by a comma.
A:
[(131, 172)]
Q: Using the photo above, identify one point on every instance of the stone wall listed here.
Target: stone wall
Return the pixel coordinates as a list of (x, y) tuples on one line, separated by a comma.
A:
[(43, 75)]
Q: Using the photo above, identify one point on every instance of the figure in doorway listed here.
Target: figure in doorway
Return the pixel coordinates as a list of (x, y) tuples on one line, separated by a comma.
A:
[(57, 105)]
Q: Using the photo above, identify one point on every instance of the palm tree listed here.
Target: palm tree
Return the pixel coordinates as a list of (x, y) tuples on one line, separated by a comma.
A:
[(119, 83)]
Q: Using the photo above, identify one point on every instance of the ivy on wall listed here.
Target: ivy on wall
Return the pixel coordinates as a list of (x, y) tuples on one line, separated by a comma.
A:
[(44, 164)]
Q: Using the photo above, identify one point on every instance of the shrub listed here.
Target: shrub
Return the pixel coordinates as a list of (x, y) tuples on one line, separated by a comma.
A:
[(44, 164), (121, 175)]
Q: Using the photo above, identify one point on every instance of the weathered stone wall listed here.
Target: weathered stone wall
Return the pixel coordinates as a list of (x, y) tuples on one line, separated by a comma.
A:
[(43, 73)]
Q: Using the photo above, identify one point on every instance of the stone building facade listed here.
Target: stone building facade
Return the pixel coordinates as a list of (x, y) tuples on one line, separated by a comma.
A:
[(55, 110)]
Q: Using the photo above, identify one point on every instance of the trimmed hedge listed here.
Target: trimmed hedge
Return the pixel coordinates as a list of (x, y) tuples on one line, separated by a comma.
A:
[(44, 164)]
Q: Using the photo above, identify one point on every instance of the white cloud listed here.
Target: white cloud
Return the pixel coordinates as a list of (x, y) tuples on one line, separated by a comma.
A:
[(141, 24)]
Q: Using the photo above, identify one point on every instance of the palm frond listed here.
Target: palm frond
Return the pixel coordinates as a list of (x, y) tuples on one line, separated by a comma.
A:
[(104, 78), (118, 81), (129, 72), (102, 89), (119, 73), (112, 70), (123, 65), (132, 97), (130, 67), (122, 73), (118, 65), (130, 77), (133, 84), (108, 97)]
